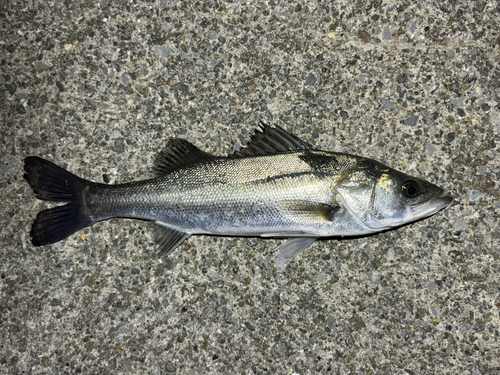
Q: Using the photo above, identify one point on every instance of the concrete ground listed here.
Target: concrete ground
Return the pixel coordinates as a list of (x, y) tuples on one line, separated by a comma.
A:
[(98, 87)]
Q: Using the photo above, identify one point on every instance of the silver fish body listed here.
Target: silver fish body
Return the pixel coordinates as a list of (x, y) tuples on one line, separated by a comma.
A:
[(279, 186)]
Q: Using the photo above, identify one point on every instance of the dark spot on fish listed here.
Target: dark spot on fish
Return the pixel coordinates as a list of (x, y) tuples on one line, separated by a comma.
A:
[(316, 160)]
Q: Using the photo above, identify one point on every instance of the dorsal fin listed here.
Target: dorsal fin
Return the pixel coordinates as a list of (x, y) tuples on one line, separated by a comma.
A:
[(178, 153), (271, 141)]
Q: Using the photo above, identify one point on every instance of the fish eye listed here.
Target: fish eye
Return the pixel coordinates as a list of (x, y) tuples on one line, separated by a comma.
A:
[(411, 189)]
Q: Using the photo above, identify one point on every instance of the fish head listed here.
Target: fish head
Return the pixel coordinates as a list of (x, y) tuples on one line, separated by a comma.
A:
[(379, 197)]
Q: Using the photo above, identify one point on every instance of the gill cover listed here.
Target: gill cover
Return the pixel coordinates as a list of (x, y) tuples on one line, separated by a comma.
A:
[(355, 192), (379, 197)]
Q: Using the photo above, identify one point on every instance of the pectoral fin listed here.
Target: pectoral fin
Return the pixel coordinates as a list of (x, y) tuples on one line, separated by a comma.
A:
[(169, 239), (290, 249), (309, 211)]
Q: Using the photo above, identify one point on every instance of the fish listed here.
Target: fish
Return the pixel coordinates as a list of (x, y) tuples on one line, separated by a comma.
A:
[(277, 186)]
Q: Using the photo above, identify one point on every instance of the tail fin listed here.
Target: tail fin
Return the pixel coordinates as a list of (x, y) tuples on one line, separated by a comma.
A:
[(53, 183)]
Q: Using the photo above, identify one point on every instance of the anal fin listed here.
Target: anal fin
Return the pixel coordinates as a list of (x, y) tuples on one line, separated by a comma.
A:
[(290, 249), (169, 239)]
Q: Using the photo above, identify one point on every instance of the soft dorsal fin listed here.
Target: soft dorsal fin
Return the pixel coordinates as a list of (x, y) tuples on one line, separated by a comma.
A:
[(271, 141), (178, 153)]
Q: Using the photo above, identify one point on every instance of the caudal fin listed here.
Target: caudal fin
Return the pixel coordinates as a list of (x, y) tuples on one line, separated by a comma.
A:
[(53, 183)]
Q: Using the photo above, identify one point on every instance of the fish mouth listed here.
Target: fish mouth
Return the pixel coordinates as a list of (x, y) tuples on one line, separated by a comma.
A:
[(439, 201)]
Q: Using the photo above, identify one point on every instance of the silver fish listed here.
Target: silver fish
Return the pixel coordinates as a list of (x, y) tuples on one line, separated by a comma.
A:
[(276, 186)]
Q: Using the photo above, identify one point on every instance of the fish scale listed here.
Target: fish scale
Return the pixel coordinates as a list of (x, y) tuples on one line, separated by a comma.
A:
[(220, 202)]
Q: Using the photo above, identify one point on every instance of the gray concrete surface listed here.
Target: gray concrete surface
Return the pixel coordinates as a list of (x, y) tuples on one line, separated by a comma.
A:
[(98, 86)]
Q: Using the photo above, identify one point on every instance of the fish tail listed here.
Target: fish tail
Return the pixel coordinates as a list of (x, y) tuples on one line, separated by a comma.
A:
[(53, 183)]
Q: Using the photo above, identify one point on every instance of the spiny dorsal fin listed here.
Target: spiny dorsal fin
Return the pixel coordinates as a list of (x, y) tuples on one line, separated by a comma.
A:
[(178, 153), (271, 141)]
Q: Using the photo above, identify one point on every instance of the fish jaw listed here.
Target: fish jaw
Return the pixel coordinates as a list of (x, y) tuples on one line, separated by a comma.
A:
[(439, 202)]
